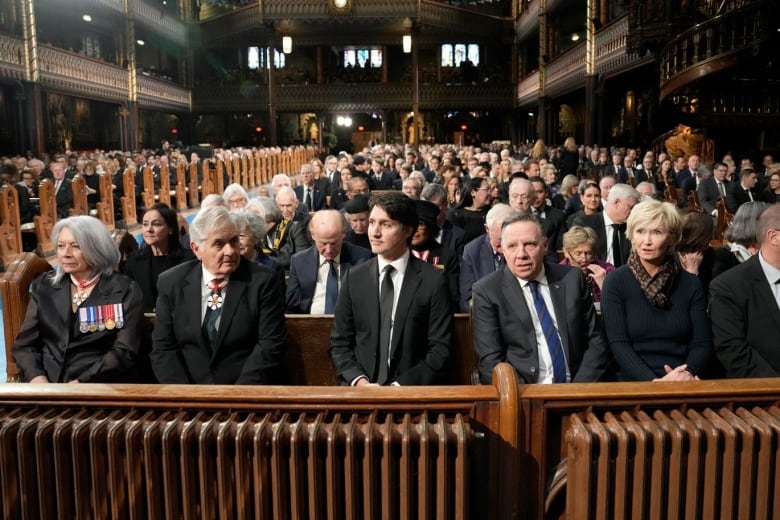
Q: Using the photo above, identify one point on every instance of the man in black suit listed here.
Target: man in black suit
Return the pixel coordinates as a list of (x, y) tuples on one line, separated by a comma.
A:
[(380, 179), (307, 192), (401, 335), (689, 172), (219, 318), (537, 316), (622, 199), (745, 307), (483, 255), (742, 191), (315, 272), (553, 220), (449, 235), (63, 192), (712, 188)]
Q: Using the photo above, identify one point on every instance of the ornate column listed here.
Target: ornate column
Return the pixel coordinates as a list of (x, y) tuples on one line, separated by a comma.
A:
[(31, 85), (591, 78), (131, 119), (544, 57)]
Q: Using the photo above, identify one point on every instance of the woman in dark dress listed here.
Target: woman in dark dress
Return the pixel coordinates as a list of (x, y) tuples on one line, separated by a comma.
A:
[(84, 320), (474, 204), (161, 251)]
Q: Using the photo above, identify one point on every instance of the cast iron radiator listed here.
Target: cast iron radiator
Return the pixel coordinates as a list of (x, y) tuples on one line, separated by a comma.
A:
[(711, 463), (134, 464)]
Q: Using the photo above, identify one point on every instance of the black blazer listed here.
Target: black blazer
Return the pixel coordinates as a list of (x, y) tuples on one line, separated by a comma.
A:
[(453, 236), (317, 197), (139, 267), (745, 321), (64, 198), (422, 332), (303, 274), (51, 344), (596, 223), (503, 328), (737, 196), (554, 226), (476, 263), (251, 336)]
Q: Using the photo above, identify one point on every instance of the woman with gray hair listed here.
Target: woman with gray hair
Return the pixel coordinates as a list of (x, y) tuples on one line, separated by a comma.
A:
[(235, 197), (741, 235), (251, 236), (83, 321)]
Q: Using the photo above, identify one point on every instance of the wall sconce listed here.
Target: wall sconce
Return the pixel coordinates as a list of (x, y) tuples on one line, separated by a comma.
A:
[(287, 44), (407, 43)]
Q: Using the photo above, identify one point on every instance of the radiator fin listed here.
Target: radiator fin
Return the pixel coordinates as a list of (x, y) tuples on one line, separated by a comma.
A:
[(674, 464), (139, 464)]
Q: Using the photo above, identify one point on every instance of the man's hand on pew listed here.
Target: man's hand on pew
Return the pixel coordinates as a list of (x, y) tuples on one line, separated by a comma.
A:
[(39, 379)]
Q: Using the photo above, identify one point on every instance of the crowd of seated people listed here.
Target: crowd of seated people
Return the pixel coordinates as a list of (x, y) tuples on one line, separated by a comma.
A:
[(627, 289)]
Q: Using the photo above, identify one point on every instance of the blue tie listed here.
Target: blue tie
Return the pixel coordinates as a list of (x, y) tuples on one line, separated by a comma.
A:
[(331, 288), (550, 334)]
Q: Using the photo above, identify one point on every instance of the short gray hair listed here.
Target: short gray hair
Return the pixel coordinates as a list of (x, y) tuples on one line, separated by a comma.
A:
[(251, 221), (498, 214), (286, 190), (207, 220), (433, 190), (266, 207), (743, 228), (94, 240), (622, 191), (212, 200), (234, 189)]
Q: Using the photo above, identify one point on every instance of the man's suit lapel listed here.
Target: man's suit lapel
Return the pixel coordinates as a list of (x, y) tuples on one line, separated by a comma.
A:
[(412, 280), (766, 299), (234, 294), (513, 294), (486, 258), (191, 294)]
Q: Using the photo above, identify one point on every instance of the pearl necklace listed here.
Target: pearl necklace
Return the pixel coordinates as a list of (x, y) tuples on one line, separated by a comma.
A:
[(81, 289)]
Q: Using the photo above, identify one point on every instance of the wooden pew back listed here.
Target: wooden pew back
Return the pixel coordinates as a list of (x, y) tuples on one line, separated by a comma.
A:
[(105, 207), (10, 225), (44, 222), (80, 207), (129, 210)]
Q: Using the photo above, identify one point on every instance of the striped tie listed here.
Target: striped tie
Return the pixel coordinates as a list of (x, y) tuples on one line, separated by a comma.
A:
[(550, 334)]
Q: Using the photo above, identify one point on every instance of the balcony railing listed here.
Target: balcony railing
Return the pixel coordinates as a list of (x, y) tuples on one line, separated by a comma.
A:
[(161, 94), (528, 89), (566, 72), (611, 49), (115, 5), (160, 20), (11, 57), (363, 96), (75, 73)]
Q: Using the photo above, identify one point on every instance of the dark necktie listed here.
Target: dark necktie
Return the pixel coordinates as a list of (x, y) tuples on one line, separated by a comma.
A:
[(307, 199), (618, 232), (387, 292), (749, 195), (550, 334), (498, 260), (213, 310), (721, 189), (331, 288)]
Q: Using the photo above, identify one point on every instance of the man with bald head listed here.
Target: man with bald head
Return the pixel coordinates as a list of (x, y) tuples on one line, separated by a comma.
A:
[(315, 273)]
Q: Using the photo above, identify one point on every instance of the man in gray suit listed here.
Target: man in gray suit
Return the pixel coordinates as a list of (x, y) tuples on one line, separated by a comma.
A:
[(539, 317), (711, 188)]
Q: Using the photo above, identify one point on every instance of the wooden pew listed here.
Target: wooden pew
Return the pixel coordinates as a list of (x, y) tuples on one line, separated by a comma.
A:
[(723, 220), (15, 291), (80, 207), (238, 175), (10, 225), (193, 186), (105, 207), (164, 193), (44, 222), (147, 195), (181, 187), (129, 210), (146, 451)]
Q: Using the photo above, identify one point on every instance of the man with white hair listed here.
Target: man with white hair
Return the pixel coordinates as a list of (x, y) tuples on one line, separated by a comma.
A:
[(646, 189), (483, 255), (521, 195), (610, 225), (290, 236)]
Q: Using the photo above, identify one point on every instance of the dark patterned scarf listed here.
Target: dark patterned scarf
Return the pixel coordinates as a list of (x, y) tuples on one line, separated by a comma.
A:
[(655, 288)]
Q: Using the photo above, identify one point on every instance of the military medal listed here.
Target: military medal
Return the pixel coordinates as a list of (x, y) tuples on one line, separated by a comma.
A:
[(109, 314), (92, 317), (215, 299), (83, 325), (119, 315), (81, 289), (100, 323)]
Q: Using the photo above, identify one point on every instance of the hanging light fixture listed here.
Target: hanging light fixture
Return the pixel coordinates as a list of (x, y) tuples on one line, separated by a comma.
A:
[(407, 43), (287, 44)]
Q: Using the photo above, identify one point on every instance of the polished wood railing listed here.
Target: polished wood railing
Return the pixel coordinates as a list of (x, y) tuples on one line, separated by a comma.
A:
[(72, 72), (11, 57), (162, 94)]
